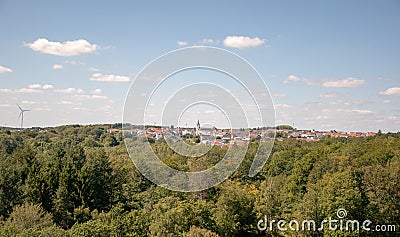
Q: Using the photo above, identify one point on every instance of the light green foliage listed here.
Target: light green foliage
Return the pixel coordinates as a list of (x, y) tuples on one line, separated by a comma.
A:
[(30, 220), (174, 217), (92, 228), (199, 232), (234, 209)]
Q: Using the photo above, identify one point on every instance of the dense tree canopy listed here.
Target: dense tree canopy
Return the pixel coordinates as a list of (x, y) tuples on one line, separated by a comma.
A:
[(79, 181)]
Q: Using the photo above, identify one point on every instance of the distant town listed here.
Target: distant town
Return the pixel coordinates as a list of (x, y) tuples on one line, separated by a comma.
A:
[(227, 137), (218, 136)]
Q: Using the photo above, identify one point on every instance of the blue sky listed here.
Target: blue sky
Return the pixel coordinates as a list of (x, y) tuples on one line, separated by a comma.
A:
[(328, 65)]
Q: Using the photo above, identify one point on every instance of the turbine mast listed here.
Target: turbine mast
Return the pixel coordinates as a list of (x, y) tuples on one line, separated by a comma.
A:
[(21, 115)]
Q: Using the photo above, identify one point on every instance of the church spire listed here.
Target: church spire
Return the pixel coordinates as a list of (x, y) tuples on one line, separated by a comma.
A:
[(197, 129)]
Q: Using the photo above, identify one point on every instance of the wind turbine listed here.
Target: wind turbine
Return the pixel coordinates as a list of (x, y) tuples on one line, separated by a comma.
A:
[(21, 115)]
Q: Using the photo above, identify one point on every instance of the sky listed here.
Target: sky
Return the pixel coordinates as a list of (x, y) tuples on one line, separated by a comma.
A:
[(327, 64)]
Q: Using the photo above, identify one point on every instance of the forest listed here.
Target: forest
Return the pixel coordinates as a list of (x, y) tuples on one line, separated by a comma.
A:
[(78, 180)]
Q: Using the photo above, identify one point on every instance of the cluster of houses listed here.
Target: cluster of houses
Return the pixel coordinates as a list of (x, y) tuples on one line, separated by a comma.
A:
[(219, 137), (228, 137), (312, 135)]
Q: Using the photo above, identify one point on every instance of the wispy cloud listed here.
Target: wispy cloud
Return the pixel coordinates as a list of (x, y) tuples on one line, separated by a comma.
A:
[(70, 91), (293, 78), (349, 82), (93, 69), (38, 86), (5, 69), (209, 41), (29, 102), (35, 86), (67, 48), (242, 41), (182, 43), (96, 91), (47, 86), (363, 111), (64, 102), (278, 95), (109, 78), (391, 91), (28, 90), (284, 106), (87, 97), (327, 95), (57, 66), (32, 88)]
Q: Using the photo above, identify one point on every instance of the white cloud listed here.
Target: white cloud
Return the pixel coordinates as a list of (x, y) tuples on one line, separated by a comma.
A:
[(73, 62), (350, 111), (363, 111), (106, 108), (64, 102), (291, 78), (319, 117), (28, 90), (109, 78), (349, 82), (182, 43), (70, 91), (99, 97), (277, 95), (47, 86), (35, 86), (393, 118), (327, 95), (5, 105), (29, 102), (42, 109), (57, 66), (382, 79), (387, 101), (5, 69), (391, 91), (38, 86), (67, 48), (96, 91), (87, 97), (242, 41), (207, 41), (93, 69), (284, 106)]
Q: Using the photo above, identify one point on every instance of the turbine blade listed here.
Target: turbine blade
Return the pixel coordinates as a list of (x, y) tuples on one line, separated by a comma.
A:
[(20, 115), (19, 107)]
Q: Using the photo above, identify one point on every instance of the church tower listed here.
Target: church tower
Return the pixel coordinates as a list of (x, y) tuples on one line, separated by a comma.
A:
[(197, 128)]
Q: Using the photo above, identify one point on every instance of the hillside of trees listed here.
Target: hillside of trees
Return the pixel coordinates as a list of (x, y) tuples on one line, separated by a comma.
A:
[(79, 181)]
